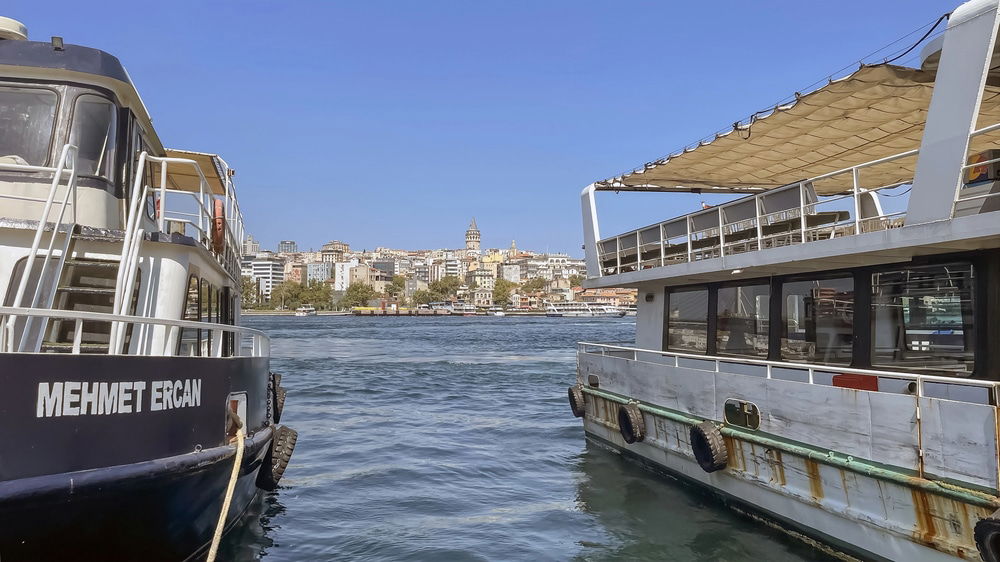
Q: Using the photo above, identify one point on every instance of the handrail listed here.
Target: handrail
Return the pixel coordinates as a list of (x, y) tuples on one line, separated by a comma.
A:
[(66, 157), (809, 367), (260, 337)]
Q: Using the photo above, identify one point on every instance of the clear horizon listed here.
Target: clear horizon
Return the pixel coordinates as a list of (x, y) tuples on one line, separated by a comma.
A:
[(384, 124)]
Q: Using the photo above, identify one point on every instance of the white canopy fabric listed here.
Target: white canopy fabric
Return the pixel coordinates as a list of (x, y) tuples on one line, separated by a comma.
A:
[(184, 177), (876, 112)]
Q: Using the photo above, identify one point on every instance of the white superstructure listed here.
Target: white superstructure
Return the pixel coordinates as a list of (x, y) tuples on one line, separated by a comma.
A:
[(822, 349)]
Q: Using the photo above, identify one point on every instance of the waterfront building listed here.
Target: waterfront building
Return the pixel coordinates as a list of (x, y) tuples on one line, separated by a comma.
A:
[(610, 296), (511, 272), (481, 278), (412, 285), (318, 271), (342, 274), (334, 251), (374, 278), (422, 272), (267, 270), (295, 272), (472, 239), (386, 266), (287, 247), (251, 247), (480, 297)]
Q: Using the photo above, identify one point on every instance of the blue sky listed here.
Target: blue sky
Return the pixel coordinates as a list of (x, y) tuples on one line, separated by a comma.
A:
[(393, 123)]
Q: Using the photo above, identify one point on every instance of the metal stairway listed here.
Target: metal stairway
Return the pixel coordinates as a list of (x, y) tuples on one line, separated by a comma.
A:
[(85, 285)]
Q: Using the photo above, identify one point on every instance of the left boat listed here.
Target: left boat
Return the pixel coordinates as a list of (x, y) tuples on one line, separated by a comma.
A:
[(132, 399)]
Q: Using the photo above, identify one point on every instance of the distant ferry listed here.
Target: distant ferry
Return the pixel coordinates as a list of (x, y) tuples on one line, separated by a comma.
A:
[(305, 310), (821, 362), (139, 418), (581, 309)]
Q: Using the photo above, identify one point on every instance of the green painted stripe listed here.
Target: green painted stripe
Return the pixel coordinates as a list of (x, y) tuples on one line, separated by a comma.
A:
[(866, 468)]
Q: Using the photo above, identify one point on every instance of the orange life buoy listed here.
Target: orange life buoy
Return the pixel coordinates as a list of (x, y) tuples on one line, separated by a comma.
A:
[(218, 227)]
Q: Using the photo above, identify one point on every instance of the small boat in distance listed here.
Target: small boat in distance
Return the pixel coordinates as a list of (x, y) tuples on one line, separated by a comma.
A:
[(581, 310), (305, 310)]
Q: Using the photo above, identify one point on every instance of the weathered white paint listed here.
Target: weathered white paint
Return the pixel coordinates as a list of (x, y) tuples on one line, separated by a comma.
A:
[(876, 426), (954, 109)]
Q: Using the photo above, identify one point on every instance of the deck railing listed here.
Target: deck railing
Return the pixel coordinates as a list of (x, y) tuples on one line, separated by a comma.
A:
[(247, 341), (916, 383), (793, 214)]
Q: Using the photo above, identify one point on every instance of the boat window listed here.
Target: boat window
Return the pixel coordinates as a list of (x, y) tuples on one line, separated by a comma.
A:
[(818, 319), (26, 119), (687, 320), (93, 132), (922, 318), (189, 336), (742, 320)]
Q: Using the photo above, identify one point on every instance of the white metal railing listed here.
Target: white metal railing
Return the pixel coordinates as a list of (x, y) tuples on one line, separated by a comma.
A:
[(247, 341), (757, 222), (66, 164), (718, 361)]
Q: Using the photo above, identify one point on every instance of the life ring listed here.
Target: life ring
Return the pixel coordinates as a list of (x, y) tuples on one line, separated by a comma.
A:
[(576, 402), (278, 455), (218, 227), (630, 423), (987, 535), (709, 447)]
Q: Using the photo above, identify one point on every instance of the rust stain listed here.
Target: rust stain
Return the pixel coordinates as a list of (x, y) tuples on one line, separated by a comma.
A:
[(738, 462), (779, 466), (843, 482), (926, 531), (815, 483)]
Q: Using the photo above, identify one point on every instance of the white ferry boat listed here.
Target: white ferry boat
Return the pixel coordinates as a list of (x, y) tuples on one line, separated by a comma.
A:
[(305, 310), (139, 419), (818, 358), (581, 309)]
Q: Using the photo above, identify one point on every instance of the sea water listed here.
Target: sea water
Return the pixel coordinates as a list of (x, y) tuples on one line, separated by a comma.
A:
[(450, 438)]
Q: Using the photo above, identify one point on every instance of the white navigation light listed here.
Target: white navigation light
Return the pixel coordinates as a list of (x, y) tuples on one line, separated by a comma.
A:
[(12, 29)]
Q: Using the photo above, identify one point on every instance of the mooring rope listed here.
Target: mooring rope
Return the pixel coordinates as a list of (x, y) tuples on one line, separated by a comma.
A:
[(217, 537)]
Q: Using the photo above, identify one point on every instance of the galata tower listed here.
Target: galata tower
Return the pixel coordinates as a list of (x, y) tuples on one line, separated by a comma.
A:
[(472, 238)]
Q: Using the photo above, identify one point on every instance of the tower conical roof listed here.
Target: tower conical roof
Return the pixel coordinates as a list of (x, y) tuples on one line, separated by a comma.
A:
[(472, 225)]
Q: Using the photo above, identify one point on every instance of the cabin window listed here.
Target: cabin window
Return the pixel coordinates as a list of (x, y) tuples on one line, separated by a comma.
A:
[(922, 319), (94, 130), (818, 320), (742, 314), (26, 119), (189, 345), (687, 320)]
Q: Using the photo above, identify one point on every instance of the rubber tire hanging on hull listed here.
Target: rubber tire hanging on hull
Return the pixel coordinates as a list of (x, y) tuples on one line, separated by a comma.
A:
[(630, 423), (576, 402), (709, 447), (276, 461), (987, 535)]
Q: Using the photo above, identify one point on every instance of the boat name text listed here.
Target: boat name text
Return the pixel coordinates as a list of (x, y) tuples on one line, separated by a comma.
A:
[(74, 398)]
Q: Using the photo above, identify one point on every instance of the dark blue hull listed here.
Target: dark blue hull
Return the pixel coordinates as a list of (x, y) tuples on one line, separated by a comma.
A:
[(127, 485)]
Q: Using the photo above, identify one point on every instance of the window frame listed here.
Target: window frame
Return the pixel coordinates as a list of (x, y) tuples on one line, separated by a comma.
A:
[(49, 160), (70, 130)]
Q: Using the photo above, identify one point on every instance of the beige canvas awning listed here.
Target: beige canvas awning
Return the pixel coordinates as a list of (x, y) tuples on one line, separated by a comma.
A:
[(184, 177), (876, 112)]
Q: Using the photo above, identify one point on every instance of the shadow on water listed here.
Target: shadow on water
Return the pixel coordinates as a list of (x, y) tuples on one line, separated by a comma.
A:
[(450, 439)]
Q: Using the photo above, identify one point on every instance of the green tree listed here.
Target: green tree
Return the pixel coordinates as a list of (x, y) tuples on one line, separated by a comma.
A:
[(287, 294), (502, 291), (446, 287), (318, 294), (358, 294), (576, 280), (396, 287), (421, 296), (534, 285), (249, 296)]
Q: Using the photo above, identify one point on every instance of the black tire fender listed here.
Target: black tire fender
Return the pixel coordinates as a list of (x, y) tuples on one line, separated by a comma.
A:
[(576, 402), (709, 447), (631, 423), (278, 454), (987, 535)]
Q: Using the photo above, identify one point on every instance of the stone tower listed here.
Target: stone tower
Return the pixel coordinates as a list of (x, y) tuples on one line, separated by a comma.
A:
[(472, 238)]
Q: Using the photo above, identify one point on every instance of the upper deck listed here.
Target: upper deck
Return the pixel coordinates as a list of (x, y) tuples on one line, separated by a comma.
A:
[(878, 166)]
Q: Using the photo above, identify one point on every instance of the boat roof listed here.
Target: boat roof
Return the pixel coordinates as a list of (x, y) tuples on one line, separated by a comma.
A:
[(875, 112), (42, 61), (185, 178)]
